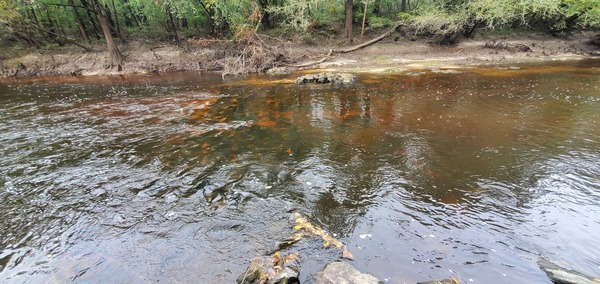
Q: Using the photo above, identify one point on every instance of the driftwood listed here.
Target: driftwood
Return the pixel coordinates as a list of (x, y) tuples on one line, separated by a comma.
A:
[(365, 44), (310, 63), (347, 50)]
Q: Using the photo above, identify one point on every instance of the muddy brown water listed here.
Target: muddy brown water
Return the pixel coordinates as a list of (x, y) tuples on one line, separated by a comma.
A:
[(183, 178)]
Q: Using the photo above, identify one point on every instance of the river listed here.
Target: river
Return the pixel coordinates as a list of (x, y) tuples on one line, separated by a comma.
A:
[(473, 173)]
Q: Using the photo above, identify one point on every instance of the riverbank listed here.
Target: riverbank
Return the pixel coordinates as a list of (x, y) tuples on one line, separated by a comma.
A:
[(392, 53)]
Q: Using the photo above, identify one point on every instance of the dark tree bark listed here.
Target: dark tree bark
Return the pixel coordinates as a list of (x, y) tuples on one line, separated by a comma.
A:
[(403, 6), (82, 31), (91, 17), (173, 25), (117, 25), (26, 36), (349, 17), (51, 26), (116, 58), (266, 17), (34, 20)]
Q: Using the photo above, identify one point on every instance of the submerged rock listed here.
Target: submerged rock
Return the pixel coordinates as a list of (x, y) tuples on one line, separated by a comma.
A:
[(561, 275), (344, 273), (326, 78), (261, 270)]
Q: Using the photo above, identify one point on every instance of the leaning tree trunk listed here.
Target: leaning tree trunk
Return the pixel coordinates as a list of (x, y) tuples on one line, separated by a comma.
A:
[(349, 16), (88, 8), (82, 31), (116, 58)]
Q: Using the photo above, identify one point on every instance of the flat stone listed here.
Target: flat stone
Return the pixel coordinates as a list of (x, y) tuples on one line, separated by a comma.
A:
[(326, 78), (261, 268), (561, 275), (344, 273)]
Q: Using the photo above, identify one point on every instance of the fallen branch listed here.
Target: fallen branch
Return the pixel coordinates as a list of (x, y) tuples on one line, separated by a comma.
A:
[(63, 37), (365, 44), (347, 50), (310, 63)]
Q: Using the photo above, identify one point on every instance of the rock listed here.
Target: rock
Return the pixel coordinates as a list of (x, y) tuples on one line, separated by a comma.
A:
[(261, 270), (326, 78), (444, 281), (561, 275), (344, 273)]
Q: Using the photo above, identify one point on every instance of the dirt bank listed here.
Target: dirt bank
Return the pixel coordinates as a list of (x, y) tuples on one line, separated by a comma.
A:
[(389, 54)]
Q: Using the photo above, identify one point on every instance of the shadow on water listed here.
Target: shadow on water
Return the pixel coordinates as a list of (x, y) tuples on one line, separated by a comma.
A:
[(183, 178)]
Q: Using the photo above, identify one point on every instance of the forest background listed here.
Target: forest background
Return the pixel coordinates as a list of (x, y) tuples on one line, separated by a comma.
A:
[(252, 33)]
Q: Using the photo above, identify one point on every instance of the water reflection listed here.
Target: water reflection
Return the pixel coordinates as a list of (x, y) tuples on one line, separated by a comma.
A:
[(144, 179)]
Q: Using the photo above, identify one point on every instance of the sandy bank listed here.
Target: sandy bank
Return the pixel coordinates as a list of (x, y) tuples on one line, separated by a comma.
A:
[(384, 56)]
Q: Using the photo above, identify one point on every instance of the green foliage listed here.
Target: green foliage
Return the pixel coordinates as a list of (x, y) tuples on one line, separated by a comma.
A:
[(379, 22), (301, 15), (586, 11), (437, 20), (404, 17), (8, 11), (161, 19)]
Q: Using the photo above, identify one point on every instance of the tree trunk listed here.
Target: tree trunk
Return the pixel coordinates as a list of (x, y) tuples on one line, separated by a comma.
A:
[(91, 17), (117, 25), (266, 17), (403, 6), (349, 16), (362, 31), (116, 58), (84, 35), (34, 19), (173, 25)]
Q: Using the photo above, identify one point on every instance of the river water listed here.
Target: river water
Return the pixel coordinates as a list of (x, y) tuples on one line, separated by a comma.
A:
[(183, 178)]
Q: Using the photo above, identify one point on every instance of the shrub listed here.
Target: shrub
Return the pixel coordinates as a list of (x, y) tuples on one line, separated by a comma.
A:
[(379, 22)]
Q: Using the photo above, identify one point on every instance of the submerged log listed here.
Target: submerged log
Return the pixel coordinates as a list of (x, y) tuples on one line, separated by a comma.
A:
[(561, 275)]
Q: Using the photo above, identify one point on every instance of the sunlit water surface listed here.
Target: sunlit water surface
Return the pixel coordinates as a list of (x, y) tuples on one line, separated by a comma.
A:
[(184, 177)]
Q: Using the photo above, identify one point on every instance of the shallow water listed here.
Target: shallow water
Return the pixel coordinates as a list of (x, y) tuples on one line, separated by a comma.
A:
[(474, 174)]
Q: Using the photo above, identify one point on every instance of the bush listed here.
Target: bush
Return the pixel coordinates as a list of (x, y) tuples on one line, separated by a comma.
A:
[(439, 22), (379, 22), (404, 17)]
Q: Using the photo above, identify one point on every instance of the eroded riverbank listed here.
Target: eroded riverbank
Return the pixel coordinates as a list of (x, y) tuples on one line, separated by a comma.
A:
[(383, 56)]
